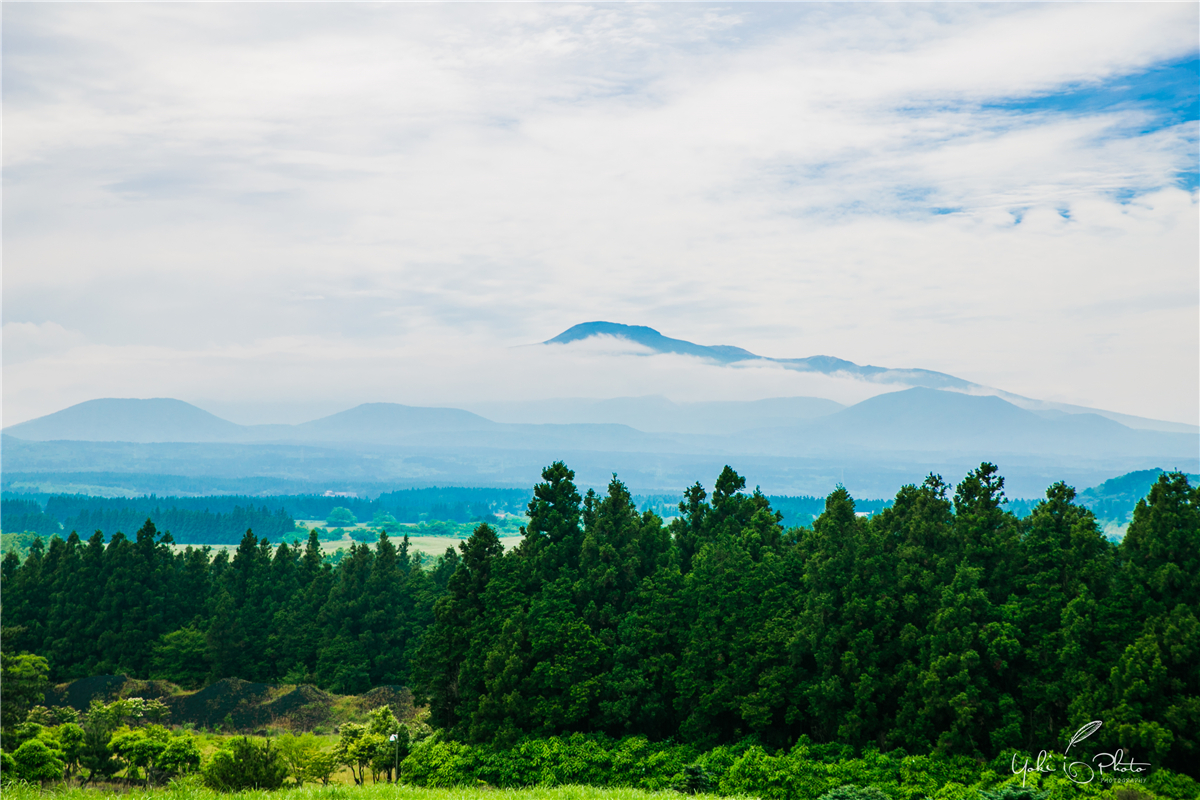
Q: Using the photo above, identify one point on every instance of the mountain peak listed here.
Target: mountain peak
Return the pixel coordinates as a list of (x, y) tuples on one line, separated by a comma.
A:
[(650, 338), (120, 419)]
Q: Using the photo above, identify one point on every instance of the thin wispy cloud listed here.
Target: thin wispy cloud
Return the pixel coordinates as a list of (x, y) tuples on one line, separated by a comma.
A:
[(1003, 192)]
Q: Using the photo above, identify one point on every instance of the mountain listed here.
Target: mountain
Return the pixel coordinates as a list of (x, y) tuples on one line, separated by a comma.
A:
[(931, 420), (917, 420), (1116, 498), (114, 419), (727, 354), (829, 365), (876, 446), (656, 414), (652, 339), (372, 422)]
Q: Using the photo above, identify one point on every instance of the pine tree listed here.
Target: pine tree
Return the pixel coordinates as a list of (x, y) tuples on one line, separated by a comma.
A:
[(458, 620)]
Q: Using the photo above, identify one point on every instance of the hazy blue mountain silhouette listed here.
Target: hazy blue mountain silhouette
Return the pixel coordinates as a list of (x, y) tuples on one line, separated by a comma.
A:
[(829, 365), (929, 420), (727, 354), (113, 419), (158, 421), (648, 337), (658, 414), (369, 421), (914, 420)]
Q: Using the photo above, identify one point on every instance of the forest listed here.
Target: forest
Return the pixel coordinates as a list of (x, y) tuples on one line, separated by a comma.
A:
[(942, 624), (223, 519)]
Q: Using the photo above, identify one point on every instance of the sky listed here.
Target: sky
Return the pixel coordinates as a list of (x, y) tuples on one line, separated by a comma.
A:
[(276, 211)]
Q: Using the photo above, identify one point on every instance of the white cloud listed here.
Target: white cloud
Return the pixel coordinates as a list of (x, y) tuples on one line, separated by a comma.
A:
[(24, 341), (255, 197)]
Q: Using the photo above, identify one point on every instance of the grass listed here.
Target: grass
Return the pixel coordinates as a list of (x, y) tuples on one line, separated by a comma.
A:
[(192, 790), (432, 546)]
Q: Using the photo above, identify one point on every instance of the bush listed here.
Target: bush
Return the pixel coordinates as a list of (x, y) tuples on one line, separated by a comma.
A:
[(1012, 792), (341, 518), (439, 764), (298, 753), (852, 792), (8, 767), (696, 780), (242, 764), (180, 757), (34, 761)]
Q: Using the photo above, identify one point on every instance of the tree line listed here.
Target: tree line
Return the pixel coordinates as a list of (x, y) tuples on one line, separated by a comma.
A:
[(266, 614), (943, 623), (455, 504)]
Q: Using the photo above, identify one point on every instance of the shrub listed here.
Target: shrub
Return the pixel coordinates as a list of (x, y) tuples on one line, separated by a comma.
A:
[(243, 764), (759, 773), (1011, 792), (8, 767), (298, 752), (320, 767), (852, 792), (341, 517), (140, 747), (34, 761), (695, 780), (180, 757), (439, 764)]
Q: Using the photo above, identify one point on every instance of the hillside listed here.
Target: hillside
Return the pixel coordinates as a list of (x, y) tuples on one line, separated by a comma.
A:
[(113, 419)]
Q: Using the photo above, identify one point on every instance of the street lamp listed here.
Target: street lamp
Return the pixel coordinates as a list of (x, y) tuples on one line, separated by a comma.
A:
[(396, 772)]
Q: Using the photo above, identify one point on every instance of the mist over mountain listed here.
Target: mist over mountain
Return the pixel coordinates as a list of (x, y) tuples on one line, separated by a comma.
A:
[(371, 420), (655, 342), (920, 422), (727, 354), (933, 421), (790, 445), (657, 414)]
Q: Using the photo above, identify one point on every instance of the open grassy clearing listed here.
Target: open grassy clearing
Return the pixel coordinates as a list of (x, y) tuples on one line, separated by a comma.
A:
[(431, 546)]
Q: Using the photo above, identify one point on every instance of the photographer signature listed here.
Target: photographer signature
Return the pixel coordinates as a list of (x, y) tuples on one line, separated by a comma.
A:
[(1080, 771)]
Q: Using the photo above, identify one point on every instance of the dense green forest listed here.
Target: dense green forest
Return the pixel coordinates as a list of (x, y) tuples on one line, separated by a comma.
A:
[(222, 519), (943, 623), (186, 526)]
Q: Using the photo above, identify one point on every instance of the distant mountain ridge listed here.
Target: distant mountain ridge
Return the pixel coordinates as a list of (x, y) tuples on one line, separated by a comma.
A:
[(727, 354), (913, 420), (878, 445), (113, 419), (829, 365), (657, 414)]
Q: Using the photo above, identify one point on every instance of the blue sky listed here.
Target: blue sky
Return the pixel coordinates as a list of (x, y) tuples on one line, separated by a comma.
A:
[(1164, 96), (274, 209)]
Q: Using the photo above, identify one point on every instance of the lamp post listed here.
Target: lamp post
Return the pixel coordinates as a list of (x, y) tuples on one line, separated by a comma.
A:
[(396, 772)]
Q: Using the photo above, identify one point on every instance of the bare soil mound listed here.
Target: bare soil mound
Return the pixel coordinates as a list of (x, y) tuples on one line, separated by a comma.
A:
[(230, 703), (78, 694), (303, 708), (398, 697), (237, 705)]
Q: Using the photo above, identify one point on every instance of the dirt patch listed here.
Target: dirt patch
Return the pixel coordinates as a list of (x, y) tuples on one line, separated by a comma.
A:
[(78, 694), (303, 709), (237, 705), (398, 697), (150, 690), (231, 703)]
